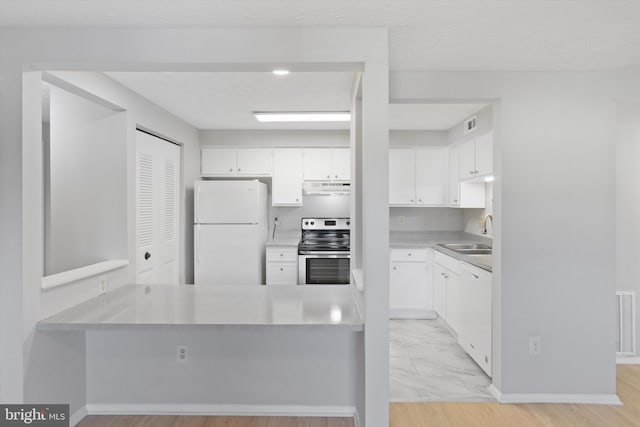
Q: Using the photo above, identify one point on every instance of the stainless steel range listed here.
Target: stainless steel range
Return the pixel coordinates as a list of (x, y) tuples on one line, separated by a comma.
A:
[(324, 252)]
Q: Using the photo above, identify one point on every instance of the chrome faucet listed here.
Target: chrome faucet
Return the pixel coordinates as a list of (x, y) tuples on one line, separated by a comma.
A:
[(486, 217)]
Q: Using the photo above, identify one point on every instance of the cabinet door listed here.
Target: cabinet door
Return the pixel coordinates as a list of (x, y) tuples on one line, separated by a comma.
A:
[(475, 336), (218, 161), (454, 176), (432, 179), (341, 164), (440, 275), (408, 286), (287, 177), (468, 160), (484, 154), (317, 164), (254, 162), (454, 302), (402, 177)]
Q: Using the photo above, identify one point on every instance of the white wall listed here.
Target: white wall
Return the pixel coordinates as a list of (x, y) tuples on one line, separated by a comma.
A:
[(274, 138), (418, 138), (209, 49), (550, 253), (87, 184), (628, 201), (228, 365)]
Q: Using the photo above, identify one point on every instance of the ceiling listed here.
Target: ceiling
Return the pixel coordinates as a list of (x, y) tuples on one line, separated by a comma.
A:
[(423, 34), (215, 100)]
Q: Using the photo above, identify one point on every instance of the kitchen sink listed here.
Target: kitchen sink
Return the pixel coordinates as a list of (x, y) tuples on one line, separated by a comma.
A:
[(459, 247), (474, 251)]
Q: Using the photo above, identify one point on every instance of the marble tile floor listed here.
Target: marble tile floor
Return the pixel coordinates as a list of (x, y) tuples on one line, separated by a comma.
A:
[(428, 365)]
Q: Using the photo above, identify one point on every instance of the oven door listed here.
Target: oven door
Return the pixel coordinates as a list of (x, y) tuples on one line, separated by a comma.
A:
[(324, 269)]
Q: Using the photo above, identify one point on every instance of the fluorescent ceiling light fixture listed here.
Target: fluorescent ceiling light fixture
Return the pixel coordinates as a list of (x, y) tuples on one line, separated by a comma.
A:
[(280, 72), (489, 179), (306, 116)]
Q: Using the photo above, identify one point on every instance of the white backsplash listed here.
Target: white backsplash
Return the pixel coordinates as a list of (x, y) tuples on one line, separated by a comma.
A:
[(473, 217), (426, 219), (314, 206)]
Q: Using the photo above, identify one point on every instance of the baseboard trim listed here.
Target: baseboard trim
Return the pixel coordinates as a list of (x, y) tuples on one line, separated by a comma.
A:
[(411, 314), (582, 399), (356, 419), (77, 416), (628, 360), (225, 410)]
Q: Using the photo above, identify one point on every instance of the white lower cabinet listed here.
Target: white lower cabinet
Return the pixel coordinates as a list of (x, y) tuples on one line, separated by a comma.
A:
[(282, 265), (462, 298), (475, 328), (411, 284)]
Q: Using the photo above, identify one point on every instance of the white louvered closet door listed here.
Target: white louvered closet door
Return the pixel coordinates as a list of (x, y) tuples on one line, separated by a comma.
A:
[(157, 183)]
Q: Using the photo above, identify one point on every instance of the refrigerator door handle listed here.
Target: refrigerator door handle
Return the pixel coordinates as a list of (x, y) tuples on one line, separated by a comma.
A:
[(198, 243), (197, 209)]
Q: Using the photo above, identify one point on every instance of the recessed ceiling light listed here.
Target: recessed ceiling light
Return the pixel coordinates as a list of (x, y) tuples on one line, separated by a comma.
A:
[(280, 72), (303, 116)]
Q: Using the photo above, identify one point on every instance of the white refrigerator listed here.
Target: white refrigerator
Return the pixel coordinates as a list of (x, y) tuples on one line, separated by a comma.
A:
[(230, 232)]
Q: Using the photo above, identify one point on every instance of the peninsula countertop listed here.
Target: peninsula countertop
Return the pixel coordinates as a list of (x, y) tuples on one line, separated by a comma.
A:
[(162, 306)]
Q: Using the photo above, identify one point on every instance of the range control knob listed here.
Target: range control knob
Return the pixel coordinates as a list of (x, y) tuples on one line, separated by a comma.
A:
[(306, 223), (312, 222), (348, 222)]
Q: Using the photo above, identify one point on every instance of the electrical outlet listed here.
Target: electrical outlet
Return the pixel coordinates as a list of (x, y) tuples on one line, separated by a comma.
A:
[(401, 219), (102, 285), (535, 345), (182, 353)]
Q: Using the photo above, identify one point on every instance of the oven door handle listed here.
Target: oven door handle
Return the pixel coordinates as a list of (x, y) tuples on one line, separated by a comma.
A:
[(324, 254)]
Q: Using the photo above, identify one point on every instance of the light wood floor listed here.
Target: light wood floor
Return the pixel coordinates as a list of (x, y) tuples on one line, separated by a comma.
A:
[(434, 414)]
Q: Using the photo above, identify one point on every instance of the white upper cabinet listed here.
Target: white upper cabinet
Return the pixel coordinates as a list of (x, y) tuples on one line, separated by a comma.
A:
[(402, 177), (454, 176), (476, 156), (432, 178), (484, 154), (236, 162), (418, 177), (218, 161), (341, 164), (324, 164), (287, 177), (254, 161)]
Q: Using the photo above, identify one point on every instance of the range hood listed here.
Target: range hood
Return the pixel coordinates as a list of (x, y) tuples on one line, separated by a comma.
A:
[(326, 188)]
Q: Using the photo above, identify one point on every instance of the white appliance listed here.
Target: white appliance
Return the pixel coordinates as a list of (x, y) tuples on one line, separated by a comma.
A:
[(230, 232)]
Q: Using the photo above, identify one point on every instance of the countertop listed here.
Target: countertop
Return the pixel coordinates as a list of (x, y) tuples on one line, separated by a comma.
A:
[(429, 239), (161, 306), (285, 238)]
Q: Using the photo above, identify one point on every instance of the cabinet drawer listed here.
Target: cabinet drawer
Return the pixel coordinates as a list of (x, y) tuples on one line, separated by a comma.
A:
[(447, 262), (282, 273), (409, 255), (282, 254)]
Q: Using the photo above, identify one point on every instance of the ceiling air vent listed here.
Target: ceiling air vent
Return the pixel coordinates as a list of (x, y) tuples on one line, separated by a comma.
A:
[(470, 124)]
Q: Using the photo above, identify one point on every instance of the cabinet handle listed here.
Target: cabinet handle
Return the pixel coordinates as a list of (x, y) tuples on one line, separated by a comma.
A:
[(476, 172), (297, 200), (446, 277), (475, 275), (230, 169), (394, 268), (470, 172), (281, 269), (472, 346), (455, 201), (411, 200), (328, 176), (336, 176), (409, 253), (281, 254), (238, 169)]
